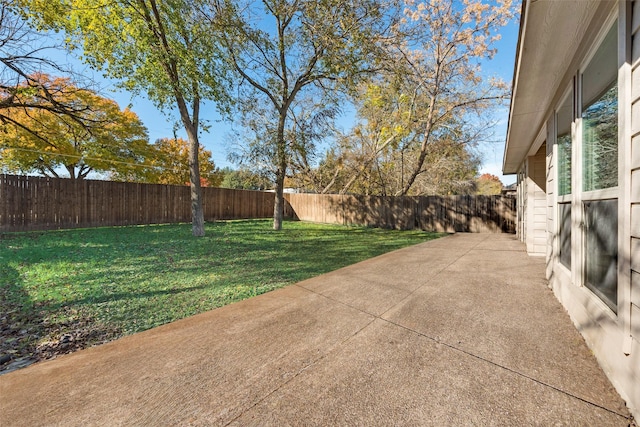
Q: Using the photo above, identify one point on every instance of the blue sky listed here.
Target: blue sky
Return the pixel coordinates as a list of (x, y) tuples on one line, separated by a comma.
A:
[(215, 139), (501, 65)]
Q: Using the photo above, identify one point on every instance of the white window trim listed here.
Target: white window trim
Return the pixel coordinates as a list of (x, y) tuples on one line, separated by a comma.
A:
[(580, 196)]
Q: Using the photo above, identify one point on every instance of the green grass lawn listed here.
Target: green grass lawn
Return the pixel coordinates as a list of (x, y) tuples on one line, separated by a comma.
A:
[(64, 290)]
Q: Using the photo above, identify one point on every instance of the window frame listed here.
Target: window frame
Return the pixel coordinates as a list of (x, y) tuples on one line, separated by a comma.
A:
[(579, 197), (568, 95)]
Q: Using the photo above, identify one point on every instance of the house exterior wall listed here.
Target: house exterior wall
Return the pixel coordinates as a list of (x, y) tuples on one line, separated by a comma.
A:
[(613, 336), (532, 206), (520, 206), (537, 207), (551, 200)]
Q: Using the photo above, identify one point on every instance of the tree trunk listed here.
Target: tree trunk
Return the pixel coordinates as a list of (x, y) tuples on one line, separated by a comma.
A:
[(278, 206), (197, 212), (191, 126), (281, 173), (415, 173)]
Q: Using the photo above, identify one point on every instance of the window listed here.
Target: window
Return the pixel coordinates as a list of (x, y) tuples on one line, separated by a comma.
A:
[(564, 117), (599, 152), (600, 117), (564, 164), (601, 247), (600, 142)]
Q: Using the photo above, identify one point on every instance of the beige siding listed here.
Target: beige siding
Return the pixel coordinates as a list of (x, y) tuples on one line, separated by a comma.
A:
[(522, 204), (635, 260), (635, 317), (635, 186), (536, 208), (635, 149), (635, 288), (635, 269), (635, 110), (551, 201)]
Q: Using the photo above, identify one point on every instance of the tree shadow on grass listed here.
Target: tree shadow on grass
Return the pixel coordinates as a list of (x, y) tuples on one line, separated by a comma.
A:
[(124, 296), (19, 320), (32, 331)]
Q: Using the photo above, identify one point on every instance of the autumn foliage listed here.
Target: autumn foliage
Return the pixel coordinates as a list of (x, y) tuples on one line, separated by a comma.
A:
[(172, 164), (488, 184), (98, 136)]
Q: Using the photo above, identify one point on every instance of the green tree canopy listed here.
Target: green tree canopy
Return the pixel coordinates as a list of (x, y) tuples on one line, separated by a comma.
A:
[(160, 48), (244, 179)]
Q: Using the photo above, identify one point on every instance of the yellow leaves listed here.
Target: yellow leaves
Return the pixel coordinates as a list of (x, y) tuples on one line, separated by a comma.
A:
[(172, 163), (373, 96), (488, 184), (90, 127)]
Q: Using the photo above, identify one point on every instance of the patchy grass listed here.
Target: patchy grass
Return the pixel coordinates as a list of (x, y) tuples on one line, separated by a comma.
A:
[(65, 290)]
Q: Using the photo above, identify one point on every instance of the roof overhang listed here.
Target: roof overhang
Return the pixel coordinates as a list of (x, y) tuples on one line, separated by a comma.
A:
[(553, 37)]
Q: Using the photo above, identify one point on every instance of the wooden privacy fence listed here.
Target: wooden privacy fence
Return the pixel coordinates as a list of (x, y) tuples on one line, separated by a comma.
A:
[(475, 214), (36, 203)]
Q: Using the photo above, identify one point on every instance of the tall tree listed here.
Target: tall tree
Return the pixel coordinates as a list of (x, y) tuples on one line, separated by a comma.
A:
[(378, 154), (310, 124), (439, 71), (98, 137), (160, 48), (286, 51)]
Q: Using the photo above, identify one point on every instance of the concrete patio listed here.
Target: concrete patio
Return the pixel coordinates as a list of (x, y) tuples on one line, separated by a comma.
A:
[(458, 331)]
